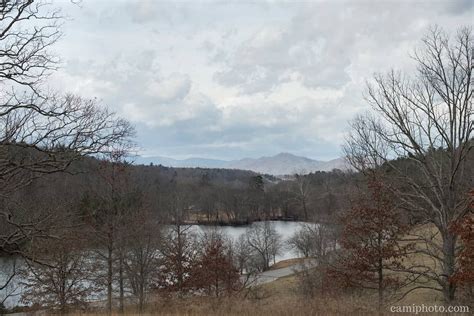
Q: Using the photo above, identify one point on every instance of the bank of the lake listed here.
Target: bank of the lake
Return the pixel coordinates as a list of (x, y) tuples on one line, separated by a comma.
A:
[(284, 228)]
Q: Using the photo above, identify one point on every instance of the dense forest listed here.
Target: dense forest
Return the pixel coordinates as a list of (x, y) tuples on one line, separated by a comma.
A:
[(214, 195)]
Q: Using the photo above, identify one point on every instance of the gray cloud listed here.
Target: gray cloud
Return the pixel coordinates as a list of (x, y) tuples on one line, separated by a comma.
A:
[(173, 88), (320, 42), (459, 6), (232, 79)]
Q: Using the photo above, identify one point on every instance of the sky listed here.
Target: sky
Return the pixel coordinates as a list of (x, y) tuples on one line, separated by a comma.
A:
[(233, 79)]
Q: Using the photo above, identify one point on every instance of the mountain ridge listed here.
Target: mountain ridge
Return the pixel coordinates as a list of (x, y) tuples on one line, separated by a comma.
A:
[(279, 164)]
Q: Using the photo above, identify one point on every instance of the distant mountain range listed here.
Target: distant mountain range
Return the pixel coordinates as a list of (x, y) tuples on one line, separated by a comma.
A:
[(281, 164)]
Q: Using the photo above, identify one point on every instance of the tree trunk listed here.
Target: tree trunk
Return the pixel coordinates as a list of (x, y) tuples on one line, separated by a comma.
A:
[(380, 290), (109, 280), (305, 210), (121, 285), (449, 245), (380, 276), (141, 297)]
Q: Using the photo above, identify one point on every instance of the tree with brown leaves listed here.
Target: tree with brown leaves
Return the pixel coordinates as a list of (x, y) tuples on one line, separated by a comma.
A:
[(370, 243), (214, 271), (178, 254), (464, 275)]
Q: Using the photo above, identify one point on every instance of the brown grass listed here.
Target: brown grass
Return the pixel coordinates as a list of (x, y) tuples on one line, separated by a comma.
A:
[(286, 263), (426, 296), (278, 298), (274, 306)]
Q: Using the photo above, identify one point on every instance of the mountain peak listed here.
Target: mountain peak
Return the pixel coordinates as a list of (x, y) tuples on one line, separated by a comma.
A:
[(285, 155)]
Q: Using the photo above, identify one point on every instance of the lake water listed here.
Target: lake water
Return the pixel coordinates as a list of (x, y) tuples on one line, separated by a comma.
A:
[(285, 229)]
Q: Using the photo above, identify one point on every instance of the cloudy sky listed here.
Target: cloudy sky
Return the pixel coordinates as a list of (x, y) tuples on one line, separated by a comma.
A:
[(233, 79)]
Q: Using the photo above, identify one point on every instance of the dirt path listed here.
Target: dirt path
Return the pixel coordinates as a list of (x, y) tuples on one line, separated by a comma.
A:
[(272, 275)]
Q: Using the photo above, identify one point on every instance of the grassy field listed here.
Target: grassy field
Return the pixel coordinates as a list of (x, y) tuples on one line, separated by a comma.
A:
[(286, 263), (278, 298)]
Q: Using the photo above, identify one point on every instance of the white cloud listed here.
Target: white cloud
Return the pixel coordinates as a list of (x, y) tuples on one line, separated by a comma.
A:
[(233, 79), (142, 11), (173, 88)]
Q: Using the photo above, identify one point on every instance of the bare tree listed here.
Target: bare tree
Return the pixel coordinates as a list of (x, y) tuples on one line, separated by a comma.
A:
[(255, 196), (426, 121), (40, 132), (315, 241), (242, 252), (63, 278), (302, 191), (311, 240), (141, 254), (106, 210), (8, 288), (265, 242)]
